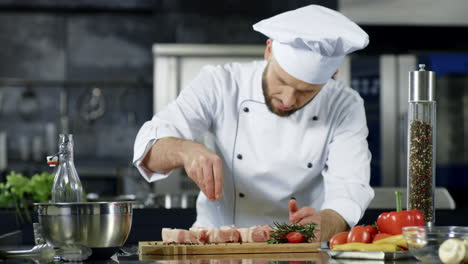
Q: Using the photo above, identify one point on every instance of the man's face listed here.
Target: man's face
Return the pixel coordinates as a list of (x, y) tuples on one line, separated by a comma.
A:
[(283, 93)]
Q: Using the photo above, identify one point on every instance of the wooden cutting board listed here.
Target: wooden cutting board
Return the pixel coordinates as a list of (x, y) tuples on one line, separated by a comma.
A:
[(241, 256), (157, 248)]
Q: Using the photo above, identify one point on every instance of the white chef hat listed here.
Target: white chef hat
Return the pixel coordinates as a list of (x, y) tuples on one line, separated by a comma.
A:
[(310, 43)]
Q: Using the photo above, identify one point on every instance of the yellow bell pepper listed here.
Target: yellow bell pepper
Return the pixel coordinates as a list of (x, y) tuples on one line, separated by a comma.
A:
[(367, 247), (398, 240)]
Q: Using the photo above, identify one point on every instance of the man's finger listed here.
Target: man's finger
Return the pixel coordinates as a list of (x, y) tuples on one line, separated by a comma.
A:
[(200, 180), (306, 212), (218, 177), (209, 181), (293, 207), (315, 218), (303, 213)]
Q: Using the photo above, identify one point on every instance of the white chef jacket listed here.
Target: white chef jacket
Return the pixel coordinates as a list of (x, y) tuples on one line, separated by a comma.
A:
[(319, 154)]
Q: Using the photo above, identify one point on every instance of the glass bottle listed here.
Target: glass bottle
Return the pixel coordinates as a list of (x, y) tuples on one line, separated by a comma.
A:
[(421, 143), (67, 186)]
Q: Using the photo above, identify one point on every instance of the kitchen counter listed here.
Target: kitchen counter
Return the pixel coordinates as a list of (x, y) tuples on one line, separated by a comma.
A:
[(296, 258), (129, 254), (148, 222)]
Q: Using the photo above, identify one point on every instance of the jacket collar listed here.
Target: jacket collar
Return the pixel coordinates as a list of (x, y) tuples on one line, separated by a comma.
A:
[(257, 94)]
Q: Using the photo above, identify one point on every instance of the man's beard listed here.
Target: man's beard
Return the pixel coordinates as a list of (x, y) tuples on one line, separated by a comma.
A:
[(269, 100)]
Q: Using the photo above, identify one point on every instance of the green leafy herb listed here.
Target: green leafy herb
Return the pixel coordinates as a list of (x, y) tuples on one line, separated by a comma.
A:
[(41, 185), (19, 184), (280, 231), (6, 198), (21, 192)]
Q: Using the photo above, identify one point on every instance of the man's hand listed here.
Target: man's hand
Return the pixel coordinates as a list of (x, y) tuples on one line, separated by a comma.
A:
[(204, 168), (303, 215), (334, 222)]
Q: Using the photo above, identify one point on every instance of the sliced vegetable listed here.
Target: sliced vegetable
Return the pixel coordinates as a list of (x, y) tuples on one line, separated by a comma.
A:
[(398, 240), (380, 236), (338, 239), (367, 247)]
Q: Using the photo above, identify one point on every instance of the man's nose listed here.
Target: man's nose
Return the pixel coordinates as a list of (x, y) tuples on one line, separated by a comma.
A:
[(288, 98)]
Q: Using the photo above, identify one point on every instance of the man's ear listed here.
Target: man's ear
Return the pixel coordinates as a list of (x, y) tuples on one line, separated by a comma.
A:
[(268, 49)]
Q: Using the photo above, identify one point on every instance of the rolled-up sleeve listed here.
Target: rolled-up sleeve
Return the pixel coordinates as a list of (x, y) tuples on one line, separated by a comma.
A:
[(347, 171), (188, 117)]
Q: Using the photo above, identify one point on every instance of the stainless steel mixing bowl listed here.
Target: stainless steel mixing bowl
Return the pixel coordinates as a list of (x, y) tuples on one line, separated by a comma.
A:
[(102, 226)]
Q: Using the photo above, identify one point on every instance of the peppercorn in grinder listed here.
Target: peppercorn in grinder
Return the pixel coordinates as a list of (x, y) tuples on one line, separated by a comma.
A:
[(421, 143)]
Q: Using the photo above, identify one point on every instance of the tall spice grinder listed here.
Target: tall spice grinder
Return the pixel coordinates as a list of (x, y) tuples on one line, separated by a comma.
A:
[(421, 143)]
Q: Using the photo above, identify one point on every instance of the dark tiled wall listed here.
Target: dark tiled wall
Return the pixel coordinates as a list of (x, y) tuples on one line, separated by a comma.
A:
[(32, 46), (109, 47), (50, 51), (50, 46), (113, 41), (82, 47)]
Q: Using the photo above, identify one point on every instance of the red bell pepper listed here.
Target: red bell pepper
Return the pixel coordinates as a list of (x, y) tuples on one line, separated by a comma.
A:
[(393, 222)]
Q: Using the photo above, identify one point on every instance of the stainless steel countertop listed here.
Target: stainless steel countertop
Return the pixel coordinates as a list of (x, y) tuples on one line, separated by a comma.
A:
[(129, 254)]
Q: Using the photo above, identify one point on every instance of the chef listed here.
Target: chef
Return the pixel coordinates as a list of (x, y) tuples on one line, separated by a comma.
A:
[(282, 126)]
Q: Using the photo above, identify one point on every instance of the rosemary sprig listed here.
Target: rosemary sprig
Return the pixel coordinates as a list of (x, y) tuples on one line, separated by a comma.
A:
[(280, 231)]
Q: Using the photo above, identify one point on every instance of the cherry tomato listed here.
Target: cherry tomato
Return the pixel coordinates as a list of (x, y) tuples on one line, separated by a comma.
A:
[(359, 234), (338, 239), (294, 237), (381, 236), (372, 230)]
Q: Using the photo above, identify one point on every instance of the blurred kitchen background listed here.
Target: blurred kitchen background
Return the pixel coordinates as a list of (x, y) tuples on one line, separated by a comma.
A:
[(100, 68)]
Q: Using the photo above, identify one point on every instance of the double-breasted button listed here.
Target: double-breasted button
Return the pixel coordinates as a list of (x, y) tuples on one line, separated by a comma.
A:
[(239, 156), (309, 165), (246, 109), (315, 118), (241, 195)]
